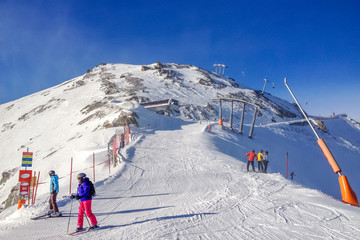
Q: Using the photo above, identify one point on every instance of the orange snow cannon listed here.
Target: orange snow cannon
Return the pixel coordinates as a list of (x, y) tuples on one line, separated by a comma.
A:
[(348, 195)]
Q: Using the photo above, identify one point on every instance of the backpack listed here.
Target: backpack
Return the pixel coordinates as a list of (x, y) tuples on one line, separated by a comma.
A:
[(92, 191)]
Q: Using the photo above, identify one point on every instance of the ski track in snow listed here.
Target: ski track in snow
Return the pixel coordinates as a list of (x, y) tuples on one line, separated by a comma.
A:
[(195, 194)]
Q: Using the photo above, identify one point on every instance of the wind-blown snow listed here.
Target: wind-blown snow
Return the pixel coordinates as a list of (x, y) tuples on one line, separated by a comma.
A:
[(179, 181)]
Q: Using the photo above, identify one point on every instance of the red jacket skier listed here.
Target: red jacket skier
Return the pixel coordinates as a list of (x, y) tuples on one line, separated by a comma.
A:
[(251, 155)]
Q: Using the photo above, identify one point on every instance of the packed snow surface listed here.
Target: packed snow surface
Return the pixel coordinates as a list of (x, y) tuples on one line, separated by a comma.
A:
[(177, 185)]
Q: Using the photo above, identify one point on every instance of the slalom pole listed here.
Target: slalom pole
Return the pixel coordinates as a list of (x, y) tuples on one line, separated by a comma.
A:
[(348, 195)]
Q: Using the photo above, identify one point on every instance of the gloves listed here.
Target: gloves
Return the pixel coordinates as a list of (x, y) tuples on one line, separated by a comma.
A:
[(73, 195), (77, 197), (53, 192)]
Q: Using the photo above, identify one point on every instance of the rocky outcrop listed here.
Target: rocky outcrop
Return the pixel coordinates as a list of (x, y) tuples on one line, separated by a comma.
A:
[(12, 199)]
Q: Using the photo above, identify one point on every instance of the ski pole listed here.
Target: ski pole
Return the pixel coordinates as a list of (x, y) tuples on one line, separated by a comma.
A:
[(67, 231), (348, 195), (82, 207)]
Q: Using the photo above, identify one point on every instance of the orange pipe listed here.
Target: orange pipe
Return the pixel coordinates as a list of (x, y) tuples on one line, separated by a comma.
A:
[(348, 195), (329, 156)]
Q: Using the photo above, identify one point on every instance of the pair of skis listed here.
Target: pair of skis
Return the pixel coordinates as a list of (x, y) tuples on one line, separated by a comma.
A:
[(85, 230), (45, 216)]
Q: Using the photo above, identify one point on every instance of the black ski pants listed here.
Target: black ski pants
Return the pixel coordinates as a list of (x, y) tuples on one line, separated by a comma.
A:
[(265, 165), (260, 166), (252, 164)]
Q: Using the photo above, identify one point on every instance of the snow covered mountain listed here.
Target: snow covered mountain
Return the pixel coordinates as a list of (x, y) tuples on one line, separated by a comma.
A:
[(175, 171)]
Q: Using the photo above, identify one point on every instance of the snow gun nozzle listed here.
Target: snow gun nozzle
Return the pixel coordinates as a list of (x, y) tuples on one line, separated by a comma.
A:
[(348, 195)]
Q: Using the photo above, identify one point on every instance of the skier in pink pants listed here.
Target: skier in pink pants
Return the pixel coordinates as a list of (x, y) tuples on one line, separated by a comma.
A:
[(85, 197)]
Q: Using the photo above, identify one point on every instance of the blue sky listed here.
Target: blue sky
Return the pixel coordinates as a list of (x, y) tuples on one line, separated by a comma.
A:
[(315, 44)]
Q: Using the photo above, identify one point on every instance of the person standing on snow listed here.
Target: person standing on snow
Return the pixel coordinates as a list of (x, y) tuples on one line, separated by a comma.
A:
[(85, 202), (292, 174), (54, 190), (260, 158), (266, 161), (251, 155)]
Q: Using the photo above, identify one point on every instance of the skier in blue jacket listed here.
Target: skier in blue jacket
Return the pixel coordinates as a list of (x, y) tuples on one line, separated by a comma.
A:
[(85, 202), (54, 190)]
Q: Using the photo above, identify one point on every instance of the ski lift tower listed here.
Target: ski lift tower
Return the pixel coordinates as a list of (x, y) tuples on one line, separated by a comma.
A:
[(224, 66), (232, 100), (266, 81), (221, 68), (216, 67)]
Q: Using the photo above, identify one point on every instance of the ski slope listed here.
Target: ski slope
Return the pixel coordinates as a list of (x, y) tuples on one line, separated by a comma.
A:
[(179, 182)]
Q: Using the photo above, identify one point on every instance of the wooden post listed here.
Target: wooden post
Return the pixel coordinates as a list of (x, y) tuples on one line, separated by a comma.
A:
[(114, 160)]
